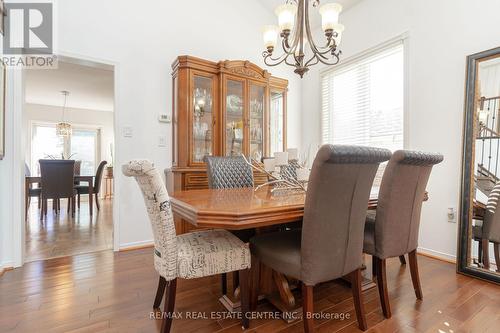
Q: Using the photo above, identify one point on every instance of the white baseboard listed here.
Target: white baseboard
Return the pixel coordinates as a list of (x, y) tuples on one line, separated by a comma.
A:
[(437, 254), (136, 245)]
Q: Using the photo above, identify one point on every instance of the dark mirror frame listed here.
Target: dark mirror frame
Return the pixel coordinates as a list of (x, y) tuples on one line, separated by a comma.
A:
[(466, 208)]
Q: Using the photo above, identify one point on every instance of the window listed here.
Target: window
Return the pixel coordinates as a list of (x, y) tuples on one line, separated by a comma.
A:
[(83, 145), (363, 101)]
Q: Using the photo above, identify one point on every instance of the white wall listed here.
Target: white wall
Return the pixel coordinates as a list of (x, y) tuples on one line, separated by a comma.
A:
[(143, 39), (441, 35), (103, 120)]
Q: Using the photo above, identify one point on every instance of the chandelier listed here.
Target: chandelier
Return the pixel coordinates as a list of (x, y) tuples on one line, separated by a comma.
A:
[(296, 38), (64, 128)]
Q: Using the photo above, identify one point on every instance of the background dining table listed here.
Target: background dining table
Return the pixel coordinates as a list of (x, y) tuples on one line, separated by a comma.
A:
[(29, 180), (247, 208)]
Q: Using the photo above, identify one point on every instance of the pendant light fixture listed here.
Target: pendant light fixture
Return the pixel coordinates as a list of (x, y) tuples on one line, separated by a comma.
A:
[(64, 128)]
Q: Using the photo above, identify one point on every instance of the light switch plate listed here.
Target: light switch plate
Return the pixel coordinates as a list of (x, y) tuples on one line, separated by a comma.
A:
[(128, 132), (162, 141)]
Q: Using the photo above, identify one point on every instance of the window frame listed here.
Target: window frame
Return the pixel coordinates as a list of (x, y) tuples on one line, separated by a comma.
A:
[(67, 141), (402, 39)]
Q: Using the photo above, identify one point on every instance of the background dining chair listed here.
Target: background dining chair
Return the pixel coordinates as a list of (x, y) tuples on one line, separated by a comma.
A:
[(32, 192), (96, 187), (489, 230), (57, 183), (330, 244), (393, 231), (188, 256), (225, 173)]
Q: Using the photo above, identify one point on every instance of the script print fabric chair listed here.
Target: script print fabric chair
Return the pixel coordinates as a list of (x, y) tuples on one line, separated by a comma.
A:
[(330, 244), (226, 173), (188, 256), (489, 230), (393, 231)]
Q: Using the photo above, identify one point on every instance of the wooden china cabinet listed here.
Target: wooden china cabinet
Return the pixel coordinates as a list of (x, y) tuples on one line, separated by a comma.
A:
[(227, 108)]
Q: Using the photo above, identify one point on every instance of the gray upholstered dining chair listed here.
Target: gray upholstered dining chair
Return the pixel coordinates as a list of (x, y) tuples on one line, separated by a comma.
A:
[(489, 230), (187, 256), (228, 172), (96, 187), (57, 181), (393, 231), (330, 243), (32, 191), (224, 173)]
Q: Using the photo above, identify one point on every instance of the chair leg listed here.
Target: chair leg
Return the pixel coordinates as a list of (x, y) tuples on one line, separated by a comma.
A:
[(357, 297), (162, 283), (486, 254), (69, 206), (402, 260), (415, 278), (224, 283), (78, 201), (42, 209), (236, 280), (169, 306), (308, 308), (374, 267), (496, 249), (382, 288), (28, 203), (39, 201), (73, 206), (245, 302), (97, 202), (480, 252), (254, 291)]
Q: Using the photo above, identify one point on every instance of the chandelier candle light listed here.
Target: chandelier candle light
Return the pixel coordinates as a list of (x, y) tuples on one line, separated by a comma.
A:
[(296, 36), (276, 171), (64, 128)]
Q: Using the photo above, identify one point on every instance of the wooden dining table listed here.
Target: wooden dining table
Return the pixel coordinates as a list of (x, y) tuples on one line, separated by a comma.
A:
[(29, 180), (247, 208)]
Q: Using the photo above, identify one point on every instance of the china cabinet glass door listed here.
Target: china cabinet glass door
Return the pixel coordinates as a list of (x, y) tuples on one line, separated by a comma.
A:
[(276, 122), (202, 118), (257, 100), (234, 120)]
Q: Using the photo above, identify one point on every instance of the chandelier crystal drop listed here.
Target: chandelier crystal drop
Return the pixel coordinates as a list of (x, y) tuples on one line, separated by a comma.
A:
[(295, 35)]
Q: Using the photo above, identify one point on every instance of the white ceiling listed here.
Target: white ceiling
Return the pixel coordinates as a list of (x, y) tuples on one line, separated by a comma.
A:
[(315, 17), (89, 87)]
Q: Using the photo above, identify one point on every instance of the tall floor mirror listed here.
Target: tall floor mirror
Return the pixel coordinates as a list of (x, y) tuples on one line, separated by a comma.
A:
[(479, 243)]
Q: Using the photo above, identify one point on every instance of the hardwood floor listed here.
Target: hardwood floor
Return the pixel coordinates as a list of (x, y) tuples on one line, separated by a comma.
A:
[(114, 292), (62, 235)]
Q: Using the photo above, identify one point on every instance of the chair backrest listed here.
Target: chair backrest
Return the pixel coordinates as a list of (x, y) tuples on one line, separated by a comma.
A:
[(98, 176), (78, 168), (228, 172), (57, 178), (400, 200), (491, 221), (335, 210), (160, 215)]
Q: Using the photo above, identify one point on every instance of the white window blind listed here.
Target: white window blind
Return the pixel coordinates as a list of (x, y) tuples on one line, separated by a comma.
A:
[(362, 101)]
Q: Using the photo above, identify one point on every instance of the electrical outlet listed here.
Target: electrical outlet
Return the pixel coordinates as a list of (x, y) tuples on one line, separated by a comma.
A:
[(452, 215)]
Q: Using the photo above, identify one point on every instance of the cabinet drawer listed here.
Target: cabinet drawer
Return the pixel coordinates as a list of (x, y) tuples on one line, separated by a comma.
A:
[(195, 181)]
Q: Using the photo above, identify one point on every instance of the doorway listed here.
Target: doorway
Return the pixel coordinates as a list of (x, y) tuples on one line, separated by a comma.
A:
[(68, 116)]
